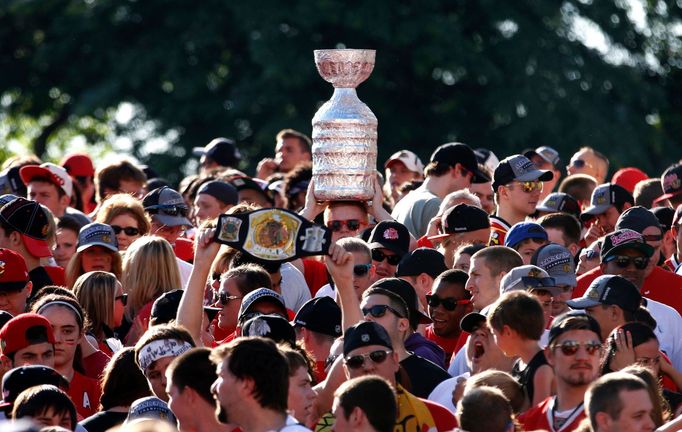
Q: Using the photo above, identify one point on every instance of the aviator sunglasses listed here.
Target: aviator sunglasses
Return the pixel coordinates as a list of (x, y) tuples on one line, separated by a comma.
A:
[(570, 347)]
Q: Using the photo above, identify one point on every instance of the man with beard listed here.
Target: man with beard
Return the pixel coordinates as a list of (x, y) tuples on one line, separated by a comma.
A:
[(189, 379), (253, 385), (573, 352)]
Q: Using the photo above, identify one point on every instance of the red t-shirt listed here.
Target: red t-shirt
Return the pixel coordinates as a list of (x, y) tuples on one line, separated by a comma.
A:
[(57, 275), (661, 286), (95, 363), (184, 249), (84, 393), (315, 274), (449, 345), (539, 417), (443, 418)]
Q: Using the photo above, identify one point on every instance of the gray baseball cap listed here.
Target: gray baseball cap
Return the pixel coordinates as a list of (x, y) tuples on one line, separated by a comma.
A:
[(558, 262), (97, 234), (520, 168), (526, 278), (167, 206)]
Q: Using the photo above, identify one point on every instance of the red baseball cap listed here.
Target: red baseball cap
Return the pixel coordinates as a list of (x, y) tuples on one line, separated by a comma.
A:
[(628, 178), (78, 165), (25, 330), (13, 271)]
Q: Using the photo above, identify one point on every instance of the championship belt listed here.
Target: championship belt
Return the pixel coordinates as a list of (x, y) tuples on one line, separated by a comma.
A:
[(273, 234)]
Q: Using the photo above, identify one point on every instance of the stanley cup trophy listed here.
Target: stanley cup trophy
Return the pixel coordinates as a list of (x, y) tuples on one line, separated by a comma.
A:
[(344, 129)]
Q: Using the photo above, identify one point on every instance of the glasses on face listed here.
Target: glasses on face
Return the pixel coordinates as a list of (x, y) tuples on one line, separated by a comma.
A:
[(530, 186), (579, 163), (357, 361), (589, 254), (129, 231), (170, 210), (570, 347), (123, 298), (377, 311), (652, 237), (379, 256), (449, 303), (648, 361), (224, 298), (624, 261), (350, 224), (361, 270)]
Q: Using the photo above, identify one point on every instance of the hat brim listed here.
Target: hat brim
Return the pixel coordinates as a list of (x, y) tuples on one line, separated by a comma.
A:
[(667, 196), (37, 248), (646, 249), (377, 245), (103, 244), (582, 303), (440, 236), (471, 321), (29, 172), (410, 165), (593, 211), (198, 151), (547, 209), (211, 312), (423, 318), (570, 280), (12, 286), (536, 174), (171, 221), (480, 176)]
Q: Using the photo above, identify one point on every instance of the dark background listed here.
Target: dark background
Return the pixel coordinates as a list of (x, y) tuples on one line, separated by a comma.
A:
[(505, 75)]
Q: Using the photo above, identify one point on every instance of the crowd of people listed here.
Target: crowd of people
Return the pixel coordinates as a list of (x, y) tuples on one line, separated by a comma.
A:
[(470, 293)]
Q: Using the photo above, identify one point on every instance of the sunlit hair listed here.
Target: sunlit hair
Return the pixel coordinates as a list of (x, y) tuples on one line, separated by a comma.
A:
[(124, 204), (96, 292), (39, 400), (150, 270), (75, 268)]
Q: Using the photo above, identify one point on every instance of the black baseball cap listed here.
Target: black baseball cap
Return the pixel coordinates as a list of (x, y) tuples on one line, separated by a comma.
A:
[(365, 333), (520, 168), (637, 218), (223, 151), (21, 378), (242, 183), (624, 239), (458, 153), (462, 218), (604, 196), (609, 290), (472, 321), (271, 326), (391, 235), (321, 315), (405, 291), (671, 182), (665, 216), (422, 260), (560, 324), (29, 218), (220, 190), (559, 202), (165, 308)]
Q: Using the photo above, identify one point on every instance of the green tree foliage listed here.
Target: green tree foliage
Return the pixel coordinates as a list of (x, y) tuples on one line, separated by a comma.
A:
[(506, 75)]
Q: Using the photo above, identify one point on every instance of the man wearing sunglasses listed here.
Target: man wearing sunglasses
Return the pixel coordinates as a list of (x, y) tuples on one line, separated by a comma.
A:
[(591, 162), (517, 184), (573, 352), (388, 243), (368, 350), (420, 268), (546, 158), (627, 254), (452, 167)]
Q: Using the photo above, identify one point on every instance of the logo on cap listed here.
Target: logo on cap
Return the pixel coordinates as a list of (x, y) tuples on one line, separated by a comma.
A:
[(601, 199), (364, 337), (671, 181), (593, 294), (624, 237), (391, 234), (2, 267), (534, 273), (337, 328)]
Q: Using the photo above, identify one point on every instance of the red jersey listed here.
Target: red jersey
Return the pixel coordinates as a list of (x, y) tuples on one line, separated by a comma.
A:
[(541, 417), (449, 345), (498, 231), (84, 393), (661, 286), (95, 363), (315, 274)]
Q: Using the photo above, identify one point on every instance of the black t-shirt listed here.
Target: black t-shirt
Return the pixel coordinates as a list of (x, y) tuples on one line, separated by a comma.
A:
[(103, 420), (526, 376), (424, 375), (40, 278)]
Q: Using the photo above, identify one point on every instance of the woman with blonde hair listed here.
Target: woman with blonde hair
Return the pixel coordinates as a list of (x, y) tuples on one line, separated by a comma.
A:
[(101, 295), (150, 269), (126, 216), (97, 251)]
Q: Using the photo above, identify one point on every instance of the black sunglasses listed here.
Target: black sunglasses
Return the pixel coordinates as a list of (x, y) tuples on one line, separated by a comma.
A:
[(224, 299), (170, 210), (377, 311), (129, 231), (624, 261), (356, 361), (449, 303), (123, 298), (379, 256), (351, 224), (360, 270)]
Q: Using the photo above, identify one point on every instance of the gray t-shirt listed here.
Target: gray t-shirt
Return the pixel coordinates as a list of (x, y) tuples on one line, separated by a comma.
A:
[(416, 210)]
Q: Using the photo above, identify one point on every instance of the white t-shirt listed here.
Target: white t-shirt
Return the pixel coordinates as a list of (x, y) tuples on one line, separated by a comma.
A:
[(185, 269), (668, 330), (442, 394)]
